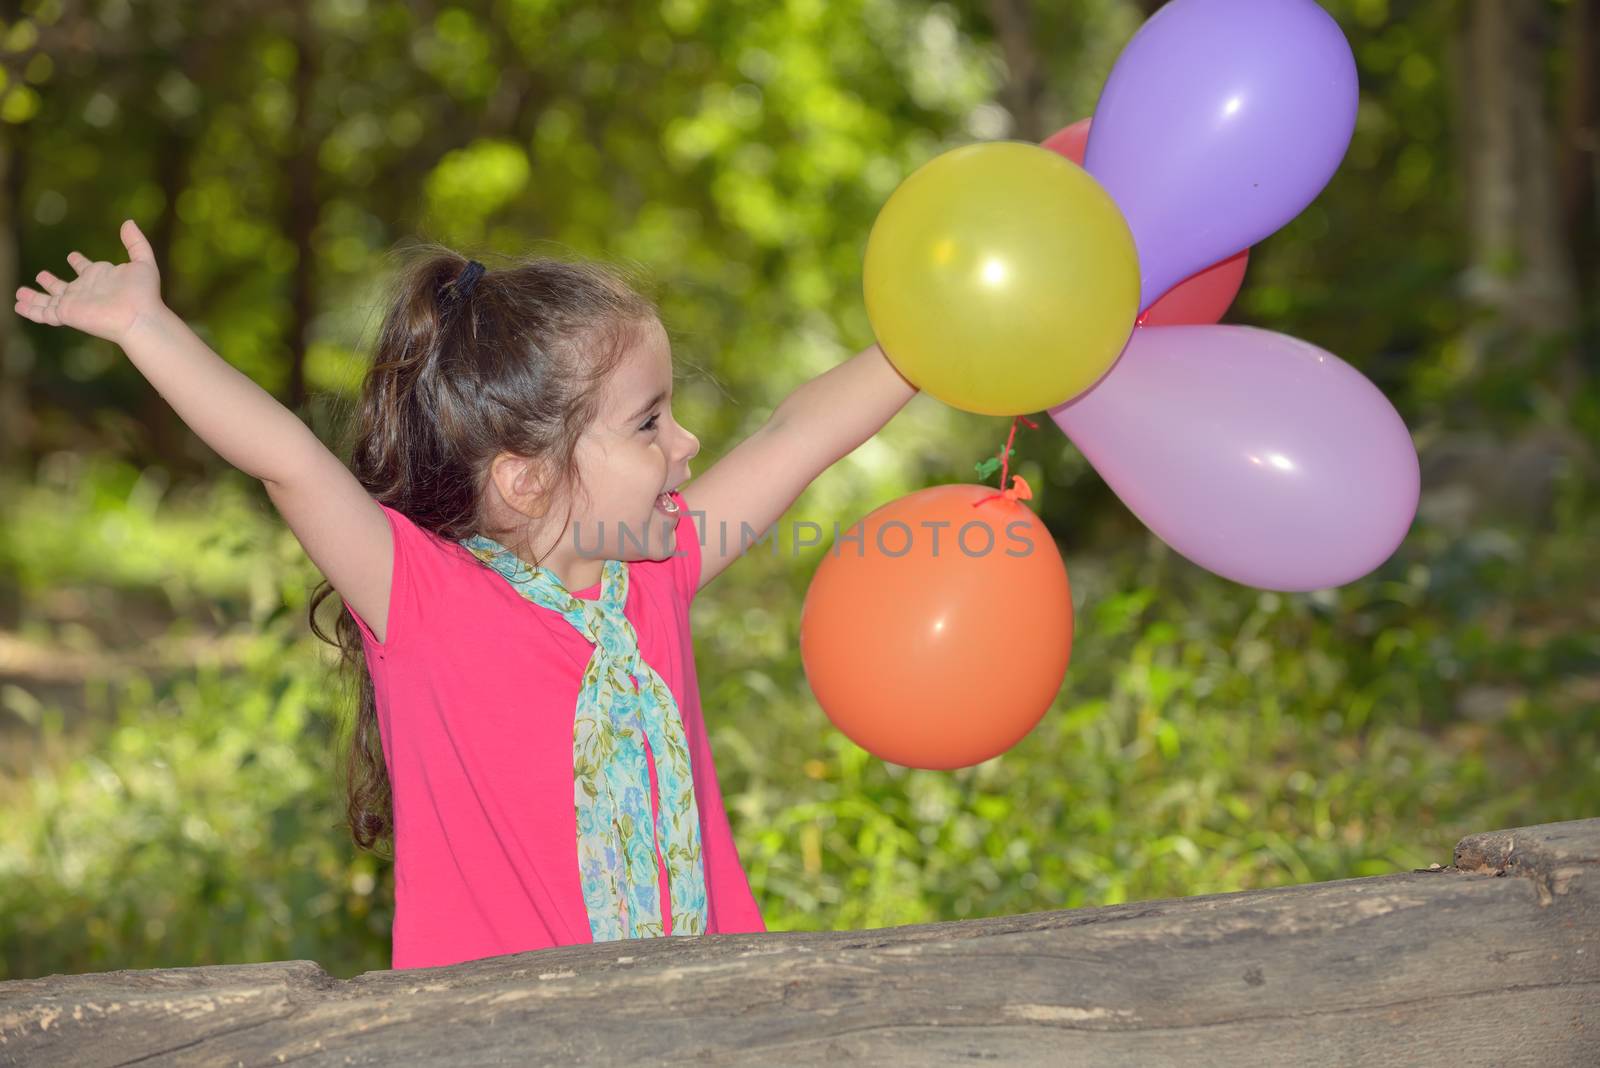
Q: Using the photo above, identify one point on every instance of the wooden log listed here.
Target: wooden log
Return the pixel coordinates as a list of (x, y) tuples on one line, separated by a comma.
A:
[(1493, 959)]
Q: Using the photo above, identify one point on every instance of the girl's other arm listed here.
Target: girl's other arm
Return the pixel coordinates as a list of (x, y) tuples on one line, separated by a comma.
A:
[(340, 526), (816, 426)]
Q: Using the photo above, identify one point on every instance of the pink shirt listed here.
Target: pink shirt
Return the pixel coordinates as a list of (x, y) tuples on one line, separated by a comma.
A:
[(476, 689)]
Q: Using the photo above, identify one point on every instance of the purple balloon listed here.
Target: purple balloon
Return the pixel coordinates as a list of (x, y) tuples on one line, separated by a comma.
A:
[(1220, 122), (1258, 456)]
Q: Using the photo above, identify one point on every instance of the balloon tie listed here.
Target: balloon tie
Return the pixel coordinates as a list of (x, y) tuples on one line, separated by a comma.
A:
[(1020, 490)]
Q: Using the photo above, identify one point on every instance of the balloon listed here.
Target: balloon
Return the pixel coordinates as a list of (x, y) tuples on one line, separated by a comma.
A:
[(939, 646), (1000, 278), (1203, 297), (1258, 456), (1221, 120), (1070, 141)]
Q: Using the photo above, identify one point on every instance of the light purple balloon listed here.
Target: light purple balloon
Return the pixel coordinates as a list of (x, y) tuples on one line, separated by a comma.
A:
[(1219, 123), (1258, 456)]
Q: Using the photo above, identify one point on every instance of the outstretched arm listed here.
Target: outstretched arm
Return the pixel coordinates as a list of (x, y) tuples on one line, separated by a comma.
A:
[(817, 425), (340, 526)]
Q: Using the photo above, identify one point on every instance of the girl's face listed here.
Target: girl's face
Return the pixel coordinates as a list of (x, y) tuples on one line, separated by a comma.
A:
[(632, 454)]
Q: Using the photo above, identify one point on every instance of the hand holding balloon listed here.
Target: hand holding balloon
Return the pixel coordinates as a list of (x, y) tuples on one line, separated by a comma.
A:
[(1003, 278)]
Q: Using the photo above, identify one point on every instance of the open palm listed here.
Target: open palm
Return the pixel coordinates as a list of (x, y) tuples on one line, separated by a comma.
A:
[(105, 299)]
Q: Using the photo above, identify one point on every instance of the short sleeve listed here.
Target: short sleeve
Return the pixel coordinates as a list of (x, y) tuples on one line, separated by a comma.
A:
[(686, 558), (404, 535)]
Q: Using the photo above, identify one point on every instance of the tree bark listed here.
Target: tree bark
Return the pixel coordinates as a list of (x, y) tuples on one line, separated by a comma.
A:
[(1522, 269), (16, 421), (303, 209), (1493, 959), (1023, 91), (1580, 144)]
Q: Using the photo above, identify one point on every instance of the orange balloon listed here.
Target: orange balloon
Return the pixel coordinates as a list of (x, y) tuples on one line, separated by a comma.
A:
[(1205, 296), (936, 634)]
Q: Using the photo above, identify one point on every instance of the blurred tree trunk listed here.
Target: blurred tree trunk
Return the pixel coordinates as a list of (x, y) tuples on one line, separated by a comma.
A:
[(1580, 146), (16, 424), (1023, 91), (1522, 268), (302, 208)]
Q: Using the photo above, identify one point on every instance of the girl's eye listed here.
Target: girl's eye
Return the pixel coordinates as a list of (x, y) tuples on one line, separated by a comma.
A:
[(650, 424)]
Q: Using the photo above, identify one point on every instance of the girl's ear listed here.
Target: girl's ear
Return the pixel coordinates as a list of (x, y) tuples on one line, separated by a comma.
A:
[(523, 483)]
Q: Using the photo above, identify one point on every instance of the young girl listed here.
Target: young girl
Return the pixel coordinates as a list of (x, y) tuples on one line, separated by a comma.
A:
[(516, 574)]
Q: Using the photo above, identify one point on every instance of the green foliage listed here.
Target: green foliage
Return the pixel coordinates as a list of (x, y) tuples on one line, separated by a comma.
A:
[(199, 820), (1209, 738)]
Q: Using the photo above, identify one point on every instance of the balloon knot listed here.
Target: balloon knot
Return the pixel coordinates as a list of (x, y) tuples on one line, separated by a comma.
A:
[(1019, 491)]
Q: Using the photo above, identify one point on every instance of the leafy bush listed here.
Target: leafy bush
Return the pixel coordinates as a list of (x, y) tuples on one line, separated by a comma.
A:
[(1209, 738)]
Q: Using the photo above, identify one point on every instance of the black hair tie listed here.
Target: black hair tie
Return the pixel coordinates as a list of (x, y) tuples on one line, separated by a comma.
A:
[(461, 287)]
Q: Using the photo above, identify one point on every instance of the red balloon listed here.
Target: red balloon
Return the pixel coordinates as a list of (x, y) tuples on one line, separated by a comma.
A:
[(1202, 298), (1071, 141), (941, 636)]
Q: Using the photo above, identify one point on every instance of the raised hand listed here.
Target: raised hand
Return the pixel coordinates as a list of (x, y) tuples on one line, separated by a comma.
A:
[(105, 299)]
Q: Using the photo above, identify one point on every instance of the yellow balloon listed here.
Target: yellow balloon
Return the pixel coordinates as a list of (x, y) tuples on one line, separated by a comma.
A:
[(1001, 278)]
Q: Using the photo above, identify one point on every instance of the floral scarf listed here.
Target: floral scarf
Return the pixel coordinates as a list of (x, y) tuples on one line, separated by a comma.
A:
[(622, 704)]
